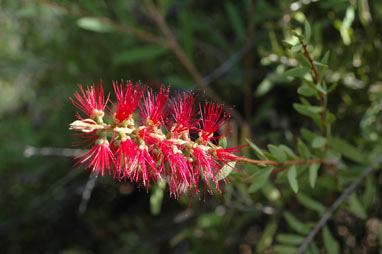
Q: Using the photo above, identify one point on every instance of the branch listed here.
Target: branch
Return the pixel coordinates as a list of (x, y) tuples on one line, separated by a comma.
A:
[(336, 204), (320, 94)]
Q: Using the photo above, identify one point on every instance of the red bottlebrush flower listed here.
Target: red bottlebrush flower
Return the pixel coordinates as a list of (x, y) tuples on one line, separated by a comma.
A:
[(91, 99), (128, 98), (205, 167), (179, 171), (212, 119), (183, 113), (143, 168), (100, 158), (153, 110)]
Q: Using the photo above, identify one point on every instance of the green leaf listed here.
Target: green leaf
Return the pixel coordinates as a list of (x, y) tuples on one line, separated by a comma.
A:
[(303, 150), (297, 72), (313, 169), (223, 142), (156, 197), (260, 179), (320, 89), (325, 58), (330, 243), (284, 249), (287, 44), (307, 135), (277, 152), (225, 170), (369, 192), (139, 54), (257, 150), (311, 111), (290, 239), (292, 178), (236, 20), (94, 24), (347, 150), (330, 118), (301, 58), (288, 151), (267, 237), (295, 224), (306, 90), (355, 206), (296, 48), (320, 64), (310, 203), (307, 32), (318, 142)]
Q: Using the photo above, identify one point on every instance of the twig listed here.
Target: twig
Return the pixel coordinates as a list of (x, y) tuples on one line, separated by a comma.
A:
[(336, 204), (86, 194), (30, 151), (320, 94)]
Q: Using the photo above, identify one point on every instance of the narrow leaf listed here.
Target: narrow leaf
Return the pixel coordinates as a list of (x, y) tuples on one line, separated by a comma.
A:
[(306, 90), (296, 48), (292, 178), (356, 207), (284, 249), (290, 239), (310, 203), (225, 170), (297, 72), (330, 243), (347, 150), (296, 224), (318, 142), (260, 179), (277, 152), (94, 24), (313, 169), (307, 31), (257, 150), (303, 149)]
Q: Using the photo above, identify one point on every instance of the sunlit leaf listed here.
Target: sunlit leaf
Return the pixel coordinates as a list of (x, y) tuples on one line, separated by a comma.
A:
[(94, 24)]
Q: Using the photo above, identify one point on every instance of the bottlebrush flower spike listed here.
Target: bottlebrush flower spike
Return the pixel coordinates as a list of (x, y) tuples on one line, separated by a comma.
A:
[(91, 101), (158, 147)]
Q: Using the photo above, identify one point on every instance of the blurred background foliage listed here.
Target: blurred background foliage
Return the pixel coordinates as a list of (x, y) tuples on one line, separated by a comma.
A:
[(230, 51)]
